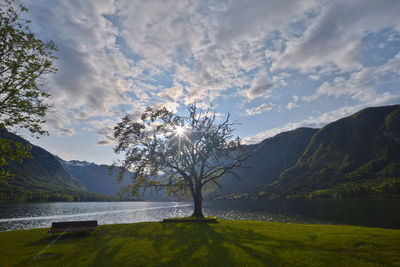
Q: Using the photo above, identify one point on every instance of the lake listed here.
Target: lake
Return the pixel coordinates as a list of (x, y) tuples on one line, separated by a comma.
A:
[(363, 212)]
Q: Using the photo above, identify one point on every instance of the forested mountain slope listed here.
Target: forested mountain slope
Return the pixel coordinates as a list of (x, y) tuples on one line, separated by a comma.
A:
[(41, 178), (354, 156), (269, 158)]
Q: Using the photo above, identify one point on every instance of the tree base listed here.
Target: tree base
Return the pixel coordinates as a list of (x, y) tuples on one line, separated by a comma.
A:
[(191, 220), (197, 215)]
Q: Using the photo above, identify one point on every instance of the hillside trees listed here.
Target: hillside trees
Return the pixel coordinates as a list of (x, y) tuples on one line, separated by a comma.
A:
[(24, 62)]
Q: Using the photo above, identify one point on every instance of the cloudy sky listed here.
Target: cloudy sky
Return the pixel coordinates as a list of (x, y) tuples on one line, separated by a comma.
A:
[(274, 65)]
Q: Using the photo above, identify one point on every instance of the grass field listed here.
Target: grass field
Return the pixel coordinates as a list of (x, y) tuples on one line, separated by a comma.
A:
[(227, 243)]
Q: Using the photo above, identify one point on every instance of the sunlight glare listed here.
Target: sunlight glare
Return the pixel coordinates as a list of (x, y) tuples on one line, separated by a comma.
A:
[(179, 130)]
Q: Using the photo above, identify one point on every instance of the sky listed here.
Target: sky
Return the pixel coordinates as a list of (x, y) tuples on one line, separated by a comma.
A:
[(273, 65)]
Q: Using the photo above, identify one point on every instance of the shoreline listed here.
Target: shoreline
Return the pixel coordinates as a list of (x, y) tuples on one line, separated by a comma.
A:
[(213, 220)]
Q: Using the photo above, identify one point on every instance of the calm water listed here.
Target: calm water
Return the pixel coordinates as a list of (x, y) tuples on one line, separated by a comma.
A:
[(364, 212)]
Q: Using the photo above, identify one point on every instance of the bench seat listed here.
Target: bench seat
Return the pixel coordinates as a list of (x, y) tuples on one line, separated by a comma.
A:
[(72, 226)]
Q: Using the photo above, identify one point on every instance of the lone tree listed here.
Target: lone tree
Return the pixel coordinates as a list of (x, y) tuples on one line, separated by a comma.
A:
[(180, 154), (24, 61)]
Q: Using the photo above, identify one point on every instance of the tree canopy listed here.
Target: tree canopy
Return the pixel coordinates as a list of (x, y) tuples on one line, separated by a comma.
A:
[(180, 154), (24, 62)]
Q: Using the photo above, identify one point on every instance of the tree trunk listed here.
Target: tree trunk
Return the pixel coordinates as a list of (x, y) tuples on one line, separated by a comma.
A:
[(198, 206), (198, 202)]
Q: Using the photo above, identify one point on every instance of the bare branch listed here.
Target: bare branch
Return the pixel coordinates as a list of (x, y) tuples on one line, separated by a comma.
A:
[(162, 157)]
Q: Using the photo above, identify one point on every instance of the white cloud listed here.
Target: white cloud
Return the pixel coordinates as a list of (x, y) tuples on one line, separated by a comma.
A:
[(260, 109), (261, 86), (59, 123), (91, 70), (105, 128), (220, 42), (394, 36), (255, 19), (361, 85), (312, 122), (151, 53), (293, 104), (323, 119), (334, 38)]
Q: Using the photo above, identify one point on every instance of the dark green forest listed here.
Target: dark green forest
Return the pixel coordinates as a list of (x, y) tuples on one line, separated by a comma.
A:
[(353, 157)]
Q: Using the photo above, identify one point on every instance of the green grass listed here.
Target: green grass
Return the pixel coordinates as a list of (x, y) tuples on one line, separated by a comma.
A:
[(227, 243)]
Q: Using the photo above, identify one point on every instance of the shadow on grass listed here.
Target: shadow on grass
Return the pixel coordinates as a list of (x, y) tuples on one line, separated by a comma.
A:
[(197, 244), (223, 245), (72, 236), (204, 244), (172, 244)]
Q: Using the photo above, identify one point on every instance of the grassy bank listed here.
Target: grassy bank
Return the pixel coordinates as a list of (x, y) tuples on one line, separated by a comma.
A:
[(228, 243)]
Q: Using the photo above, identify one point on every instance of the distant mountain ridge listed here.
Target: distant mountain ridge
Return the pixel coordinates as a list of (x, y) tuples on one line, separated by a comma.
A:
[(41, 178), (46, 177), (75, 163), (96, 178)]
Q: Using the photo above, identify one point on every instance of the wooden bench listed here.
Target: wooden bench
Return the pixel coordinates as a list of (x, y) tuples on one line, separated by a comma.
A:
[(73, 226)]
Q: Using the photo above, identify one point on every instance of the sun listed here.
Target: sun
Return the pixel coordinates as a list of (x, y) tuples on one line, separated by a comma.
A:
[(179, 130)]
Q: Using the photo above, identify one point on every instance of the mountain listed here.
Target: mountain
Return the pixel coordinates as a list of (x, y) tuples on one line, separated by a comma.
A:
[(41, 178), (355, 156), (96, 178), (269, 158), (352, 157)]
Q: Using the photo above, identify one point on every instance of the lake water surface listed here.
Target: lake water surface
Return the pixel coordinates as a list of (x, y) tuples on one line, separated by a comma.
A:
[(363, 212)]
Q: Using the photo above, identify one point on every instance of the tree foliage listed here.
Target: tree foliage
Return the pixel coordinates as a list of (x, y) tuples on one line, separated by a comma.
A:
[(24, 62), (180, 154), (10, 150)]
